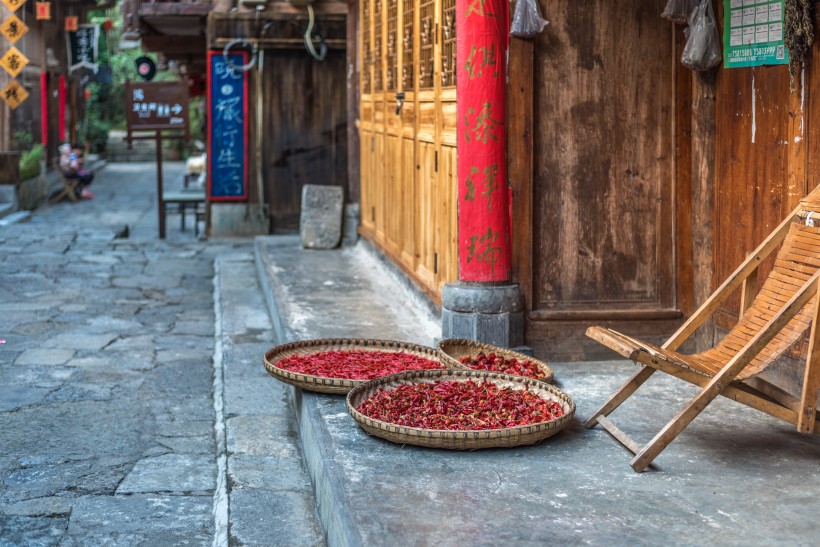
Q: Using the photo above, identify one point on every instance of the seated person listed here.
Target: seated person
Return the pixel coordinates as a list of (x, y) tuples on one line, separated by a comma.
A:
[(71, 167)]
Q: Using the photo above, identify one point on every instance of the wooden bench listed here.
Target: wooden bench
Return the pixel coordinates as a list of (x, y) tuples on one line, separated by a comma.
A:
[(185, 201)]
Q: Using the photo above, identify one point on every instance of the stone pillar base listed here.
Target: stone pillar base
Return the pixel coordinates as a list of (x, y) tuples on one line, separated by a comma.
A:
[(493, 314)]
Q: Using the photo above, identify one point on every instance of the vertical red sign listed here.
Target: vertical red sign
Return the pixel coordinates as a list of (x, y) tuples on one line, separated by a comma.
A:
[(44, 108), (483, 194), (61, 98)]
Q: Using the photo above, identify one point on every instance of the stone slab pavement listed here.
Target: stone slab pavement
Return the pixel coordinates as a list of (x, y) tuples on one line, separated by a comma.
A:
[(109, 425), (734, 477)]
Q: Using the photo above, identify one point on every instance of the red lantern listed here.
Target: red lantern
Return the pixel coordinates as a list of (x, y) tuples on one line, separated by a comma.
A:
[(87, 94), (107, 25), (43, 11), (72, 23)]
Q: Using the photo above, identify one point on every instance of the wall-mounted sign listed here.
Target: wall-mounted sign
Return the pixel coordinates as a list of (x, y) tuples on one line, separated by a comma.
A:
[(146, 68), (156, 105), (72, 22), (753, 33), (227, 127), (82, 47), (13, 28), (14, 94), (13, 5), (42, 11), (13, 61)]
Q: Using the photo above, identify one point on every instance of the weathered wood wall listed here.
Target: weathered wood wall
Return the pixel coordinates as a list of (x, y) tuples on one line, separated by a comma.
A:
[(605, 189), (408, 156)]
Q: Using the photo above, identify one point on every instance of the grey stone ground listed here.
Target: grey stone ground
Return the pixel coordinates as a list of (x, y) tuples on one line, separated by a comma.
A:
[(107, 414), (134, 410)]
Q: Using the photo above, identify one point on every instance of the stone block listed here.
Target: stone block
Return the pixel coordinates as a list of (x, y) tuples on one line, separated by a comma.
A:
[(350, 224), (320, 222)]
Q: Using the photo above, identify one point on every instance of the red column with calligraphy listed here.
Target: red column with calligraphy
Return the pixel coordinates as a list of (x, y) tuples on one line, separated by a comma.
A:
[(483, 193)]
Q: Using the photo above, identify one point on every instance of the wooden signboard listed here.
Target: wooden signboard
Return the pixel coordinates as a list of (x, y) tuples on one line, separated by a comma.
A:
[(13, 61), (13, 29), (82, 47), (14, 94), (13, 5), (156, 106), (227, 127)]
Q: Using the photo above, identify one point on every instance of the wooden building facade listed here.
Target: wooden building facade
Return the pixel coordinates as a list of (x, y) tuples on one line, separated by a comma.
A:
[(637, 185)]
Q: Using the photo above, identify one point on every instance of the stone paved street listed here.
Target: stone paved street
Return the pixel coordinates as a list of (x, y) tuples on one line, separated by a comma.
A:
[(106, 371)]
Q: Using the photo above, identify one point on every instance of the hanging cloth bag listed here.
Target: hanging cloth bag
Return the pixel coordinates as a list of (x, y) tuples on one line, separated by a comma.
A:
[(678, 11), (702, 49), (527, 20)]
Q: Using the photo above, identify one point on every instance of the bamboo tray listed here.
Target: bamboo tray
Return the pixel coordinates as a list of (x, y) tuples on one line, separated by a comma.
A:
[(461, 439), (323, 384), (452, 349)]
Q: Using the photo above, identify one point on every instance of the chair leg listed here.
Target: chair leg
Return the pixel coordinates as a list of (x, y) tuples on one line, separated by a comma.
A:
[(621, 395)]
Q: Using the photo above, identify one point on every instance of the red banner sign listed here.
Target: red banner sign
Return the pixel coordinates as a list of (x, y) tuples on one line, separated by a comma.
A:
[(43, 11), (483, 192)]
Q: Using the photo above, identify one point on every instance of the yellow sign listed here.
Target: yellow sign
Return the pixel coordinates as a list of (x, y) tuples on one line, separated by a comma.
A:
[(14, 94), (13, 61), (13, 4), (13, 29)]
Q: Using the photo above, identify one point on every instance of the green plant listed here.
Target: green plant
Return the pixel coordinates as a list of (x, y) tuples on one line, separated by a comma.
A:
[(22, 141), (30, 162)]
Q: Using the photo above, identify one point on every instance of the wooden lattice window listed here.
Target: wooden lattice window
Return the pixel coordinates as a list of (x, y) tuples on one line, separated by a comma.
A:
[(407, 52), (367, 46), (448, 42), (392, 44), (427, 37), (378, 67)]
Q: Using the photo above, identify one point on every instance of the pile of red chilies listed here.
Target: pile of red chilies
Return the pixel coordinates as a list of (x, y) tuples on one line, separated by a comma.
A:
[(356, 364), (497, 363), (461, 405)]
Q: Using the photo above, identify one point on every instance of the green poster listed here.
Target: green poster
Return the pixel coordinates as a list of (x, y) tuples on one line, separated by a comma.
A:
[(753, 33)]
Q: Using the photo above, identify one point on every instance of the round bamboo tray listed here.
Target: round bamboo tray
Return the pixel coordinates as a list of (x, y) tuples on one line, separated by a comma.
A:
[(451, 350), (460, 439), (323, 384)]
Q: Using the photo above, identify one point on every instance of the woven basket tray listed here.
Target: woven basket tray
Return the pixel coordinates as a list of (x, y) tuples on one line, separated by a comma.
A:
[(460, 439), (334, 385), (450, 350)]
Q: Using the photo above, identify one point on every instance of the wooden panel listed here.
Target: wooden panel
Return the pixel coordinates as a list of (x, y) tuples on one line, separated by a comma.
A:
[(305, 128), (447, 220), (753, 137), (604, 173), (425, 205)]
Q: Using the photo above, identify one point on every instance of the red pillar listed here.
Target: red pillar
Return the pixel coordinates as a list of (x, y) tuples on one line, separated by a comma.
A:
[(483, 192), (44, 108), (61, 94)]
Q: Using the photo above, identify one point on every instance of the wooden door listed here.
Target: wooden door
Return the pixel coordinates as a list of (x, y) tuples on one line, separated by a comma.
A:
[(603, 243), (304, 128)]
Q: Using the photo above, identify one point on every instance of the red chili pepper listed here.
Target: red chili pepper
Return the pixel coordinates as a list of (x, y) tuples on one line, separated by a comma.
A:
[(464, 405), (498, 363), (356, 364)]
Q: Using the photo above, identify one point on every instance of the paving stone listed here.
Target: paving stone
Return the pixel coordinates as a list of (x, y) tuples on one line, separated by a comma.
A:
[(44, 357), (81, 341), (171, 473), (260, 517), (50, 506), (26, 530), (276, 472), (142, 519), (263, 435), (13, 397)]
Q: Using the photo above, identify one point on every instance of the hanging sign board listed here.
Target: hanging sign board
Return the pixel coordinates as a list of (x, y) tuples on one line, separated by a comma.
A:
[(156, 105), (13, 61), (227, 127), (43, 11), (13, 5), (82, 47), (14, 94), (753, 33), (13, 29)]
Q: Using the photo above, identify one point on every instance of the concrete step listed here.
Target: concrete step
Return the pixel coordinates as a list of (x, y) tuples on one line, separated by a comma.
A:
[(15, 217), (575, 487), (266, 496), (6, 209)]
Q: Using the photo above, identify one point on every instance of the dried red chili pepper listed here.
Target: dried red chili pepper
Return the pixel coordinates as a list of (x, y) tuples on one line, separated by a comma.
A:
[(356, 364), (461, 405), (498, 363)]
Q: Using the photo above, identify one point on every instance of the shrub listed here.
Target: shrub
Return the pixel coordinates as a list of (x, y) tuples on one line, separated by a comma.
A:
[(30, 162)]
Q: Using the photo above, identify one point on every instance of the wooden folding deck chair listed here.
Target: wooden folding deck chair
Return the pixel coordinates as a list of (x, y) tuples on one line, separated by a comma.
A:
[(69, 190), (770, 322)]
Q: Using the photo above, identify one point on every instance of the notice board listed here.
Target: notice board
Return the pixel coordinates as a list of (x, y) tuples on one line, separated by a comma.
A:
[(156, 105), (753, 33), (227, 127)]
